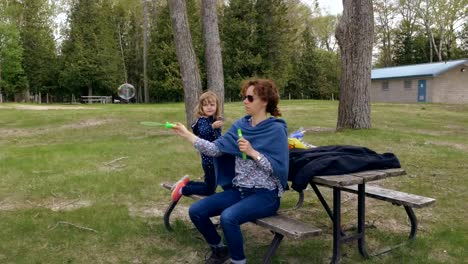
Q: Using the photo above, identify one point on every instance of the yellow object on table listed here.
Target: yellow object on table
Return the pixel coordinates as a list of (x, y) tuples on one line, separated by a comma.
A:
[(296, 143)]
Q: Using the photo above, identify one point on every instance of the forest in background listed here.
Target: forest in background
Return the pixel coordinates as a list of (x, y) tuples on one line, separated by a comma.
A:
[(98, 45)]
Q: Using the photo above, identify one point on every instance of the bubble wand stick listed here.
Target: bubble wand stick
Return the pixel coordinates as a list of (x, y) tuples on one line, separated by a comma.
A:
[(239, 133), (165, 125)]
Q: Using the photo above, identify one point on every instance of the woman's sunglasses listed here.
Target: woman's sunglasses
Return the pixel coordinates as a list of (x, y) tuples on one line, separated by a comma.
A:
[(249, 98)]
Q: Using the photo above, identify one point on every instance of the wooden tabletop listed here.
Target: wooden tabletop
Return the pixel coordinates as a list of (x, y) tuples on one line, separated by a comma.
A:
[(357, 178)]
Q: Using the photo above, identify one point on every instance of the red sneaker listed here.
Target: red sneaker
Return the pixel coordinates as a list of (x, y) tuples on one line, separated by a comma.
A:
[(177, 188)]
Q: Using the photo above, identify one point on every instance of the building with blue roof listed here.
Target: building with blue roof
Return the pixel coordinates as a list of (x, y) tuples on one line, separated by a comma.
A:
[(439, 82)]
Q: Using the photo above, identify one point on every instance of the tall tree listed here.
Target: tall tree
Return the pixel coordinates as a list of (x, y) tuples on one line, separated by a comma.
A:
[(91, 55), (240, 58), (39, 46), (132, 30), (186, 57), (355, 38), (452, 14), (323, 28), (145, 50), (463, 35), (213, 59), (403, 40), (410, 46), (12, 78), (275, 37), (163, 70), (385, 12)]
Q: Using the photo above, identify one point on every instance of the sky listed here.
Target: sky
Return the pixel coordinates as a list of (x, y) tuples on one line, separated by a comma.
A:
[(328, 6)]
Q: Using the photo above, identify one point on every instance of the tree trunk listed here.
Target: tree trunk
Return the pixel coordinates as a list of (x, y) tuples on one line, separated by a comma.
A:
[(123, 56), (145, 50), (213, 59), (90, 92), (355, 37), (1, 96), (186, 57)]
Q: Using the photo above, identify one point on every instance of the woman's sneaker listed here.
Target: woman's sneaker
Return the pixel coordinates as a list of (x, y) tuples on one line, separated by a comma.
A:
[(177, 188)]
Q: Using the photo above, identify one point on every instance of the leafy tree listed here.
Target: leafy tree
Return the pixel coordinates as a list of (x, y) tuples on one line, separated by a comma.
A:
[(385, 13), (132, 32), (274, 39), (40, 60), (410, 48), (164, 72), (91, 57), (316, 71), (463, 36), (12, 78), (304, 83), (323, 28), (240, 58)]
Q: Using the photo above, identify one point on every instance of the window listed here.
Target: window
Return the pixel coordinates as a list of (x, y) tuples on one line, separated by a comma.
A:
[(408, 84), (384, 85)]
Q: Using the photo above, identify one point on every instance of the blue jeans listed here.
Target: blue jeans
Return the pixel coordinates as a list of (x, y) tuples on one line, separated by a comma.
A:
[(236, 206), (207, 187)]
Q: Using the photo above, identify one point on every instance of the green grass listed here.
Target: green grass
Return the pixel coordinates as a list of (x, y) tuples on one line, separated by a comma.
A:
[(66, 172)]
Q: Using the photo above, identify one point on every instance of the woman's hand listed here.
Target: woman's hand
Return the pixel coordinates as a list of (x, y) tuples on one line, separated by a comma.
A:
[(182, 131), (245, 147), (217, 124)]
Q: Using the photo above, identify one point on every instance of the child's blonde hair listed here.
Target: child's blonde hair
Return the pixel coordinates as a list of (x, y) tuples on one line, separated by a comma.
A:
[(208, 97)]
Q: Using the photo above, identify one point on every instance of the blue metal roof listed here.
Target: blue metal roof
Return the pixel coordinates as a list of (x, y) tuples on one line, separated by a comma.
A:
[(416, 70)]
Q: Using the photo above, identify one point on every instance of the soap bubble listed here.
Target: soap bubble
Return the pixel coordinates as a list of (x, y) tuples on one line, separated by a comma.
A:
[(126, 91)]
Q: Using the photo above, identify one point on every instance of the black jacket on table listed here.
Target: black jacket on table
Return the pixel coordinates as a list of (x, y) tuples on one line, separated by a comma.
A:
[(334, 160)]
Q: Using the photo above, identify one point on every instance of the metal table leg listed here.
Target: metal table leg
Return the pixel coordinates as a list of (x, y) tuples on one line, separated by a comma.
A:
[(336, 225), (362, 220)]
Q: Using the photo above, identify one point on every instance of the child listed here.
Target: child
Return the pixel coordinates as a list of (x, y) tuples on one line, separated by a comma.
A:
[(208, 127)]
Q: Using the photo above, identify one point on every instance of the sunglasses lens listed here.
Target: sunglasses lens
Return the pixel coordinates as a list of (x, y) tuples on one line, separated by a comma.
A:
[(249, 98)]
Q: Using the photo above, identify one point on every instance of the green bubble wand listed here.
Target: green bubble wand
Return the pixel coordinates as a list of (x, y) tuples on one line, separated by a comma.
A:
[(239, 133), (165, 125)]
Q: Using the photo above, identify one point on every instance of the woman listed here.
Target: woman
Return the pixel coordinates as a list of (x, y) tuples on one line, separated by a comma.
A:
[(252, 169)]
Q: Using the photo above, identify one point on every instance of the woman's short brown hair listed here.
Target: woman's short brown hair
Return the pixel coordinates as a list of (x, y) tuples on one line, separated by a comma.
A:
[(265, 89)]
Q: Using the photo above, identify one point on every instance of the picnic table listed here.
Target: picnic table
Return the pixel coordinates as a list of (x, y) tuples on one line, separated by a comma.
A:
[(282, 225), (96, 98), (357, 183)]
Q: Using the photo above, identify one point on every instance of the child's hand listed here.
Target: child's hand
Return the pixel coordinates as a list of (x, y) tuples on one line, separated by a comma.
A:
[(217, 124)]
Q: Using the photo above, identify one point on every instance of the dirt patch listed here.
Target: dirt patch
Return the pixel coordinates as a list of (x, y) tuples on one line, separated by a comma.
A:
[(157, 210), (319, 129), (430, 132), (54, 204), (24, 132), (67, 205), (448, 144), (456, 127), (44, 107)]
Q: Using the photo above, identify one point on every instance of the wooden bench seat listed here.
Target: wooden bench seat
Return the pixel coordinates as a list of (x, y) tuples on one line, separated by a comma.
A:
[(280, 225), (392, 196), (407, 200), (350, 183)]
